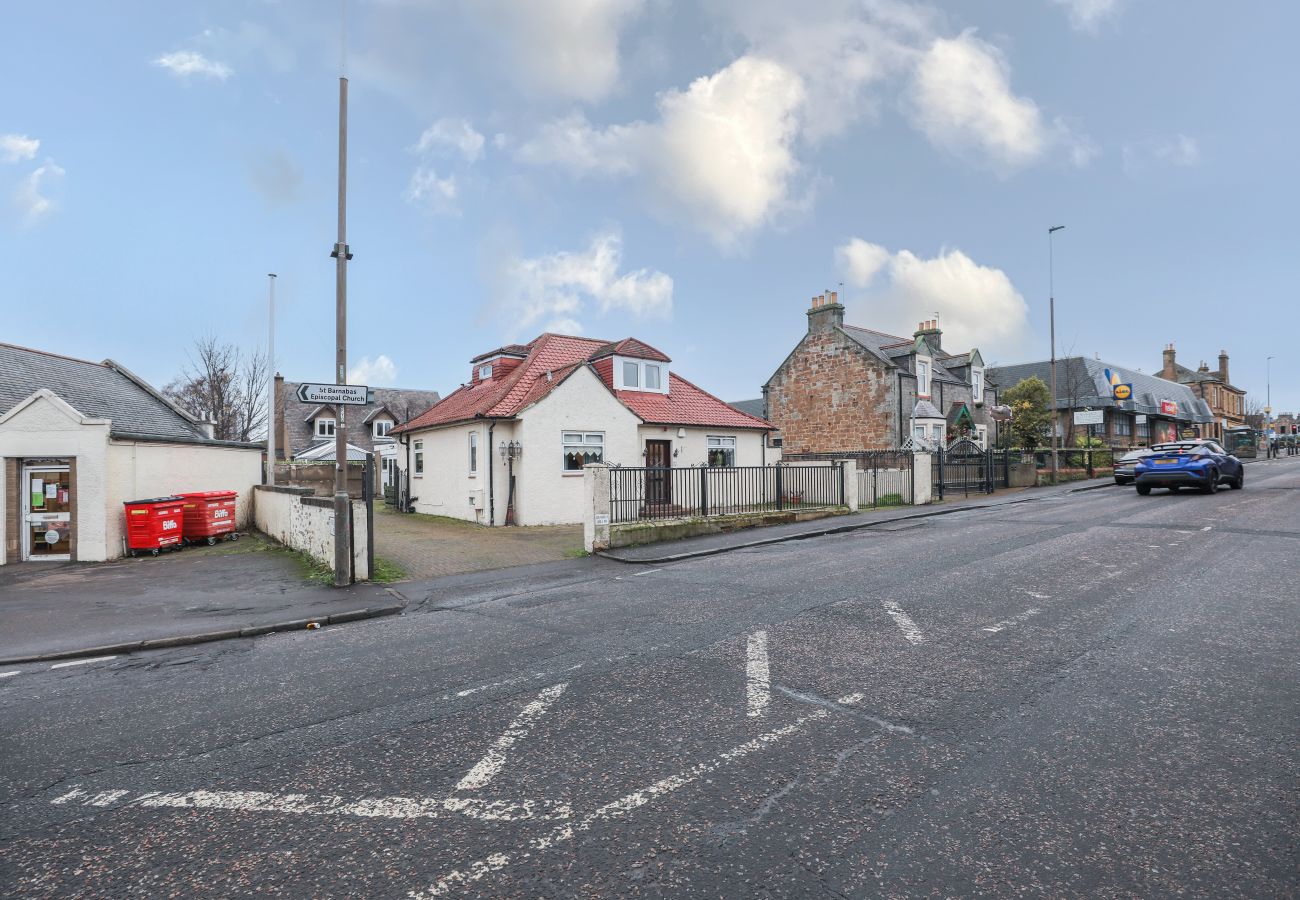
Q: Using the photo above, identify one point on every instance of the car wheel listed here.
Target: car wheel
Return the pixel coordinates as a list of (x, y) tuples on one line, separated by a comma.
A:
[(1212, 485), (1144, 489), (1239, 482)]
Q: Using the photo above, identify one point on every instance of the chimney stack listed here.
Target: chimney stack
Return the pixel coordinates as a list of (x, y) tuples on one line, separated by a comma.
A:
[(1223, 367), (826, 313), (1168, 372), (929, 329)]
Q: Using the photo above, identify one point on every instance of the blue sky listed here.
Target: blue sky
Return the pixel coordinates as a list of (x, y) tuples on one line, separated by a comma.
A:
[(690, 173)]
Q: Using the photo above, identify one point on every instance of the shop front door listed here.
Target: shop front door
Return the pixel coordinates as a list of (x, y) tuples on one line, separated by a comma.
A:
[(47, 513)]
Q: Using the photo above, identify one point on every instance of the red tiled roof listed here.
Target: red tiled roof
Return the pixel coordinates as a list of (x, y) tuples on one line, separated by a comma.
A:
[(633, 348), (561, 356), (685, 404)]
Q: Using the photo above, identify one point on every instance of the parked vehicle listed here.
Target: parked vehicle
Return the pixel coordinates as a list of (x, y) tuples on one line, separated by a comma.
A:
[(1200, 464), (1126, 465)]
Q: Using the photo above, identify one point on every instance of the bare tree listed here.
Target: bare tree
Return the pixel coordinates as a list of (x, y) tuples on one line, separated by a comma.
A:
[(225, 386), (1254, 412)]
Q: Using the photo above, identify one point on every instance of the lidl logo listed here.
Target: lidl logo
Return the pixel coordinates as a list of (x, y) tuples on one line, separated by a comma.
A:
[(1122, 391)]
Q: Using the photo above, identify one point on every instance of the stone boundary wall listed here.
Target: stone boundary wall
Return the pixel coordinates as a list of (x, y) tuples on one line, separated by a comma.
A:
[(302, 522)]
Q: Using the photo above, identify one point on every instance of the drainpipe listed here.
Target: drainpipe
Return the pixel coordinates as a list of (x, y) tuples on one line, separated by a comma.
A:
[(405, 502), (492, 504)]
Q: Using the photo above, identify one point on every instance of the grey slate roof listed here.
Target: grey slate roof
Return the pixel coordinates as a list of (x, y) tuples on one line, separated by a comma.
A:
[(750, 407), (890, 349), (99, 390), (924, 409), (293, 425), (1084, 381)]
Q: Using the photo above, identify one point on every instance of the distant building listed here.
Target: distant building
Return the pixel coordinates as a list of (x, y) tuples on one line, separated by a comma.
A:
[(1227, 403), (1158, 409), (845, 388)]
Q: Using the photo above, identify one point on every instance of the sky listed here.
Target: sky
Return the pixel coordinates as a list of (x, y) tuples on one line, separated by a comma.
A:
[(688, 173)]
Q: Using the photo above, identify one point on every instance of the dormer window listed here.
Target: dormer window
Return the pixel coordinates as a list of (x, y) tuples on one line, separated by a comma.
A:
[(977, 384), (640, 375), (485, 372), (325, 427), (382, 427), (922, 377)]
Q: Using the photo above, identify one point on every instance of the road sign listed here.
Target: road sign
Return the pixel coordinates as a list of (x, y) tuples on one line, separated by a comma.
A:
[(346, 394), (1090, 417), (1123, 391)]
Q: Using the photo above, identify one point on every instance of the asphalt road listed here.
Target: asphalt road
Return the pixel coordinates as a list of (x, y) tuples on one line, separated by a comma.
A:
[(1089, 695)]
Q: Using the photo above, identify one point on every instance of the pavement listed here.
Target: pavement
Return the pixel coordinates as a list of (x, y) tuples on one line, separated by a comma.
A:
[(434, 546), (1094, 694), (54, 611)]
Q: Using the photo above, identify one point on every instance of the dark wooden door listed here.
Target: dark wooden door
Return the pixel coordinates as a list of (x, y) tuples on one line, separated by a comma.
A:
[(658, 478)]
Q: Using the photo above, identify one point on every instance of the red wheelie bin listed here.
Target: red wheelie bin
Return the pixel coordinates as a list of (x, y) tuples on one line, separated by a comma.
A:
[(153, 525), (209, 516)]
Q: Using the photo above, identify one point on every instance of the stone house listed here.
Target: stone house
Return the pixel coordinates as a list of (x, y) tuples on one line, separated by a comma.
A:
[(845, 388), (1227, 403), (80, 438), (509, 445)]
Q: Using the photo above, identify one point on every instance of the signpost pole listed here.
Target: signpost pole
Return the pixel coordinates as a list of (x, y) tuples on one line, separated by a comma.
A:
[(1051, 301), (342, 506), (270, 364)]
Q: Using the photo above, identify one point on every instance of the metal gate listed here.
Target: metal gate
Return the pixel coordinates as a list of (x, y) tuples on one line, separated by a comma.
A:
[(963, 468)]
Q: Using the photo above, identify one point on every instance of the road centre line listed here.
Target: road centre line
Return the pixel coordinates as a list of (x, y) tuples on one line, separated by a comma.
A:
[(459, 878), (905, 624), (82, 662), (1014, 620), (494, 760), (327, 805), (758, 683)]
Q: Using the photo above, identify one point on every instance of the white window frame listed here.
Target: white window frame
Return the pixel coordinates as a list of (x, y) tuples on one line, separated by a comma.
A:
[(938, 432), (977, 384), (580, 439), (322, 431), (719, 443), (473, 454), (924, 375), (418, 446), (982, 436), (648, 368), (642, 365), (484, 371), (381, 427)]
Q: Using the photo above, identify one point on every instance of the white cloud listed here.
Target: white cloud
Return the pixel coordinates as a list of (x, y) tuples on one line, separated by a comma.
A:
[(558, 288), (567, 49), (184, 63), (18, 147), (977, 306), (1180, 151), (438, 195), (720, 155), (32, 198), (452, 134), (377, 372), (961, 99), (1086, 15)]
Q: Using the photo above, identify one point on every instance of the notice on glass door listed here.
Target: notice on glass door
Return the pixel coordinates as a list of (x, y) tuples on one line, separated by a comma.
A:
[(38, 493)]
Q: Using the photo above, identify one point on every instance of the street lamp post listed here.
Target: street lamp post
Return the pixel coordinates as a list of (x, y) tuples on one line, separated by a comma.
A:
[(1051, 305)]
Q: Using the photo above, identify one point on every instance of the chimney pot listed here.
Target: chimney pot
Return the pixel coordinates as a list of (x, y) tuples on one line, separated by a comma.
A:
[(835, 296)]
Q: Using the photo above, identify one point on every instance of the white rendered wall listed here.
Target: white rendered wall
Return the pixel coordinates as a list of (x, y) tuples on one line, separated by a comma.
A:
[(446, 485), (694, 446), (138, 470), (545, 493), (46, 428), (309, 526)]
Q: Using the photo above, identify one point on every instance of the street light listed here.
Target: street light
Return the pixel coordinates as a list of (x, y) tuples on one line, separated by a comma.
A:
[(510, 452), (1051, 302)]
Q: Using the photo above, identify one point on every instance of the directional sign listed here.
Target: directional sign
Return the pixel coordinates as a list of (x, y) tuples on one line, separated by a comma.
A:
[(347, 394), (1090, 417)]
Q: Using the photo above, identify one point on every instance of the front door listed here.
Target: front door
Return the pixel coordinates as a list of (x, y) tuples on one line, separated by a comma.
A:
[(47, 513), (658, 480)]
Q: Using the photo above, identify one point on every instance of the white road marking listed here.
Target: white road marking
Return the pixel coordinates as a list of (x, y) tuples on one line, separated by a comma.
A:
[(329, 805), (904, 622), (509, 681), (646, 572), (758, 686), (458, 879), (494, 760), (82, 662), (8, 674), (1207, 528), (1014, 620), (1037, 596)]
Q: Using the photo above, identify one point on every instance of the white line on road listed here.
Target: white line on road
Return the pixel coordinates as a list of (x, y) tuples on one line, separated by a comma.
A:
[(8, 674), (329, 805), (82, 662), (904, 622), (1014, 620), (646, 572), (509, 681), (494, 760), (758, 686), (1207, 528)]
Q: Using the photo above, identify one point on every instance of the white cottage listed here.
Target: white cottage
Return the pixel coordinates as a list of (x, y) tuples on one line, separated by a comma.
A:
[(78, 439), (509, 446)]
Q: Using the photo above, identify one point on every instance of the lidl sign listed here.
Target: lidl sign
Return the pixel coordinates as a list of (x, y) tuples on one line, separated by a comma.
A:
[(1122, 391)]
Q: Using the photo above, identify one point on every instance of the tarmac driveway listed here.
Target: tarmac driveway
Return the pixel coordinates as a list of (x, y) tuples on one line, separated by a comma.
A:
[(433, 546)]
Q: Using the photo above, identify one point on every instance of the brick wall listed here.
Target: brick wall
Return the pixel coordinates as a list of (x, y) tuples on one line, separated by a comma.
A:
[(831, 395)]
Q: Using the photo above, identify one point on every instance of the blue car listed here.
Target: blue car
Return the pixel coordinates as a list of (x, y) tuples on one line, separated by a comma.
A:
[(1200, 464)]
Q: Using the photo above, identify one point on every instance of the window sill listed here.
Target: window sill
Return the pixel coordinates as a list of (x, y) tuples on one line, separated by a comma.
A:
[(565, 474)]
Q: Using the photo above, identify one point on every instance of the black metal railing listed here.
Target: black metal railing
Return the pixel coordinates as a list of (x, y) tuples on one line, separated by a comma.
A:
[(884, 477), (641, 493)]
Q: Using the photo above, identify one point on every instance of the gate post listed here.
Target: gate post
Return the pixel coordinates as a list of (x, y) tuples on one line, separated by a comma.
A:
[(704, 491), (780, 503)]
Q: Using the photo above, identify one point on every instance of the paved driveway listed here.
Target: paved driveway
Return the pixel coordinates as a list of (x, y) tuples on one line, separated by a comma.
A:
[(433, 546)]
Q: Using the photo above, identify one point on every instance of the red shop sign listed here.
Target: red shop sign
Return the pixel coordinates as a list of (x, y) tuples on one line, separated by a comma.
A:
[(1168, 408)]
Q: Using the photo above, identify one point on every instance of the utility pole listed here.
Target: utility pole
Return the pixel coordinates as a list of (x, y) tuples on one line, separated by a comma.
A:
[(1051, 303), (341, 254), (270, 365)]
